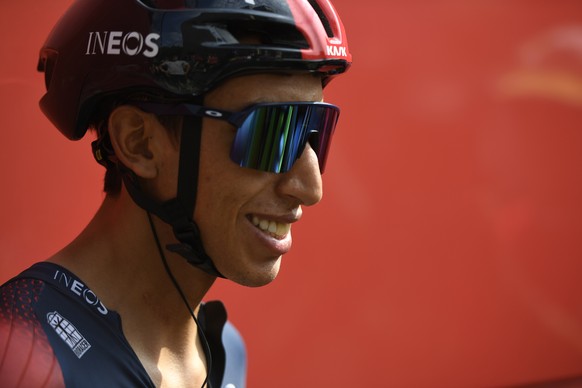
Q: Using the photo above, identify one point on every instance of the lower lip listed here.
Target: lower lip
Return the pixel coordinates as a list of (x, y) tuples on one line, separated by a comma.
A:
[(275, 246)]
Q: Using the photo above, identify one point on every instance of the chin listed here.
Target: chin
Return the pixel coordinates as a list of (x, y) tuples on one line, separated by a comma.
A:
[(255, 276)]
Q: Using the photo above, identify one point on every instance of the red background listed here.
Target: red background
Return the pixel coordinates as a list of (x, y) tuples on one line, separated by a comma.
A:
[(447, 251)]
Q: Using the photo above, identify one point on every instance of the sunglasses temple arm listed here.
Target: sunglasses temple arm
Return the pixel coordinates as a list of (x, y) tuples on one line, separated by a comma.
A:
[(184, 110)]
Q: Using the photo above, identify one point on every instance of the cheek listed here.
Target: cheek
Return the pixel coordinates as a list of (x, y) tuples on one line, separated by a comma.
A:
[(165, 186), (217, 172), (224, 188), (172, 165), (214, 213)]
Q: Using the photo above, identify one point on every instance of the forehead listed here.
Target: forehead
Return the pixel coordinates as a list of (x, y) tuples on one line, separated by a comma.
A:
[(240, 92)]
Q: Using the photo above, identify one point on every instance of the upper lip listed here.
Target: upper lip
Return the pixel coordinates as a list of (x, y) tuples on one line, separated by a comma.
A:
[(287, 218)]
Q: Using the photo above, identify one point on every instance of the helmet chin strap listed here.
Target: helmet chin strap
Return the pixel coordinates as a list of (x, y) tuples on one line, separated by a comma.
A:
[(179, 212)]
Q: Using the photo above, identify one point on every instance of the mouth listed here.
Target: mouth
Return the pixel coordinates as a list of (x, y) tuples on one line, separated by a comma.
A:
[(277, 230)]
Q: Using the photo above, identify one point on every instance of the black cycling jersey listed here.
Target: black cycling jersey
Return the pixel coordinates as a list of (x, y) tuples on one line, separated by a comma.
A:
[(55, 332)]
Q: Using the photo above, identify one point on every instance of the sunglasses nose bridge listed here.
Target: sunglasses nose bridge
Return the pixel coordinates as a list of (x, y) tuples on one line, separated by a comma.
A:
[(315, 141), (311, 134), (312, 137)]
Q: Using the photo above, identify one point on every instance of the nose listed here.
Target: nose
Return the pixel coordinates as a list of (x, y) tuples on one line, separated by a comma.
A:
[(303, 181)]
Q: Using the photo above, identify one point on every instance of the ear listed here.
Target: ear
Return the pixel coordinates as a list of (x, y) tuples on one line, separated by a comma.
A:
[(131, 132)]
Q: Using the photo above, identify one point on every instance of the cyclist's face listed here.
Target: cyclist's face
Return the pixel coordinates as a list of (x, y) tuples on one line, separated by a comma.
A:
[(245, 215)]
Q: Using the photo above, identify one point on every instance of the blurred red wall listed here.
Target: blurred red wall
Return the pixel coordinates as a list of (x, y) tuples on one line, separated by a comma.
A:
[(447, 251)]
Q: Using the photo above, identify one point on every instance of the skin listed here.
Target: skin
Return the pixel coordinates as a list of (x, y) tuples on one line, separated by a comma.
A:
[(232, 195), (116, 254)]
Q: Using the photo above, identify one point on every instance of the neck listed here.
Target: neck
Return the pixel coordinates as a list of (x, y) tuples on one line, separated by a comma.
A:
[(118, 257)]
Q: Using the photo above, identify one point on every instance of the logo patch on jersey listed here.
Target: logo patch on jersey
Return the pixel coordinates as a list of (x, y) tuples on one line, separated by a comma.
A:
[(68, 333)]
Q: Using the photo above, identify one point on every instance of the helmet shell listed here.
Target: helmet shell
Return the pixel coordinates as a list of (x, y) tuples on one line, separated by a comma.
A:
[(179, 48)]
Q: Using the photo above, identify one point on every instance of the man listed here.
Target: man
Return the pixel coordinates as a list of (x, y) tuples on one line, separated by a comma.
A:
[(209, 120)]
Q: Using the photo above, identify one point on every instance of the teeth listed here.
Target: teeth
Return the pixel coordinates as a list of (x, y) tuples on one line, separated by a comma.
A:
[(276, 229), (264, 224)]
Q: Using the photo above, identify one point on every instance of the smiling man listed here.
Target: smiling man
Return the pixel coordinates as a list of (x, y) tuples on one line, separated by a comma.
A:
[(210, 122)]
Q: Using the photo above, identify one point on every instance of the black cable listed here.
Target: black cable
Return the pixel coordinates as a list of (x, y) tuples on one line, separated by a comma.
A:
[(179, 289)]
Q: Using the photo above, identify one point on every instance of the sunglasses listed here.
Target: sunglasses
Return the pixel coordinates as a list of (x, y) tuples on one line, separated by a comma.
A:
[(271, 136)]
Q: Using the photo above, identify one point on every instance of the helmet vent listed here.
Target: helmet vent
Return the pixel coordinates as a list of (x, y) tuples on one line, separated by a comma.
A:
[(322, 17), (268, 34)]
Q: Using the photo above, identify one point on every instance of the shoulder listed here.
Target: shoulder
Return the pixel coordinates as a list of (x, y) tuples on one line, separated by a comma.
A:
[(27, 358)]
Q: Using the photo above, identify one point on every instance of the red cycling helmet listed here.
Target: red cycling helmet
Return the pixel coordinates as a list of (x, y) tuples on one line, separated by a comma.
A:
[(104, 49), (181, 48)]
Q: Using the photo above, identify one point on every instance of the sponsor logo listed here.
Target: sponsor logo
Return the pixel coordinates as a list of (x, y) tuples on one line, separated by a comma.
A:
[(212, 113), (82, 291), (68, 333), (337, 51), (118, 43)]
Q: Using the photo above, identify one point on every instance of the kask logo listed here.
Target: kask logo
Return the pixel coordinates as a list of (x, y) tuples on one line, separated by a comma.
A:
[(118, 42), (337, 51)]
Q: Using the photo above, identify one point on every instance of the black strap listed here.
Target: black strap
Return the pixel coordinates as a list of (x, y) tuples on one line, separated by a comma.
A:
[(179, 212), (191, 140)]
